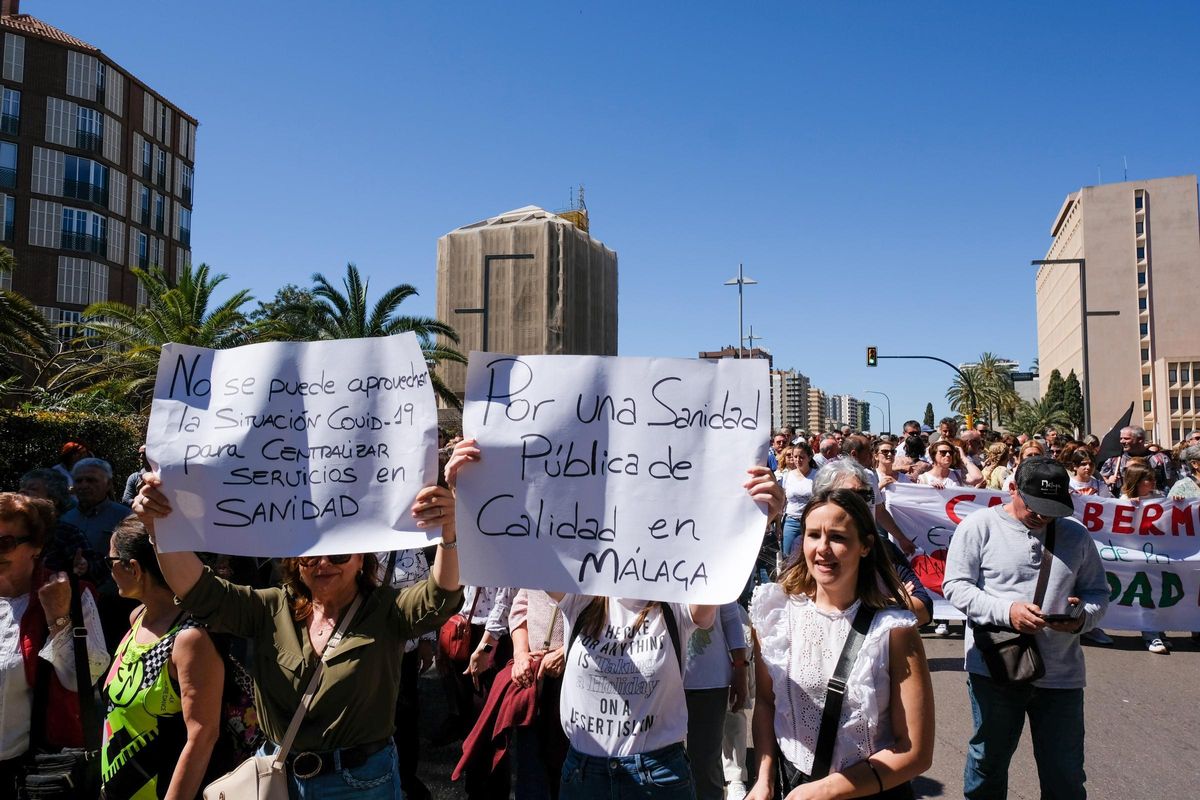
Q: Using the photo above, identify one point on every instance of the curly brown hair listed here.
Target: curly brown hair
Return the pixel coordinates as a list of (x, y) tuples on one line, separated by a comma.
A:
[(34, 514), (300, 596)]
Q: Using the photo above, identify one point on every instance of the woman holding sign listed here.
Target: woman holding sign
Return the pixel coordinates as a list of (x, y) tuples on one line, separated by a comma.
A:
[(838, 612), (344, 744), (623, 706)]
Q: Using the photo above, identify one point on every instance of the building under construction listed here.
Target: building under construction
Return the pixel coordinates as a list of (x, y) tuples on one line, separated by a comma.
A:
[(528, 281)]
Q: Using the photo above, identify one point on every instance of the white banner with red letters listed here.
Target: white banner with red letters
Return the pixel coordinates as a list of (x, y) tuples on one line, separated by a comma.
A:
[(1150, 550)]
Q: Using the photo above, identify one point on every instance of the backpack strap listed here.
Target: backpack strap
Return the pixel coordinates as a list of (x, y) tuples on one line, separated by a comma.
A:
[(673, 631), (835, 692)]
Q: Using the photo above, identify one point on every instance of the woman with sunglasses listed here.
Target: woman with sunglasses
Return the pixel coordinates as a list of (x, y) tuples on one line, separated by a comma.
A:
[(797, 488), (344, 745), (164, 687), (885, 465), (951, 467), (38, 652)]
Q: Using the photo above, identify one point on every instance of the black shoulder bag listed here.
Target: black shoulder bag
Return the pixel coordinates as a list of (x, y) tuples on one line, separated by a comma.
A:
[(1013, 658), (71, 772), (831, 714)]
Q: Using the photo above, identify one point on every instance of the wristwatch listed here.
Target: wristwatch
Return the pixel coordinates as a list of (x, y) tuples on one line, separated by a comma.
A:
[(61, 622)]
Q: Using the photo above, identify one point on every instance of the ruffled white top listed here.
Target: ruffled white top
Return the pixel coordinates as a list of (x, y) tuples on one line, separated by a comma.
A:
[(800, 646)]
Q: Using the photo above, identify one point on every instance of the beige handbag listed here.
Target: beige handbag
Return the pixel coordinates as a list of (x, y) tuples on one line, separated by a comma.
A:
[(265, 777)]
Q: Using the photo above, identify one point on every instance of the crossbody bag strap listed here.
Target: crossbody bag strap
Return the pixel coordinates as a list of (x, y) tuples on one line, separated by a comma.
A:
[(474, 602), (835, 692), (294, 727), (89, 703), (550, 631), (673, 632), (1044, 573)]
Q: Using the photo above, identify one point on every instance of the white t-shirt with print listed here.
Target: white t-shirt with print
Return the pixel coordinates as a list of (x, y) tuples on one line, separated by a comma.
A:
[(622, 693)]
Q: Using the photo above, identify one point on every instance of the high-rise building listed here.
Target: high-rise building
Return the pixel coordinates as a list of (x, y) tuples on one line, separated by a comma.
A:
[(1139, 244), (818, 411), (844, 410), (864, 416), (96, 171), (729, 351), (527, 282), (789, 399)]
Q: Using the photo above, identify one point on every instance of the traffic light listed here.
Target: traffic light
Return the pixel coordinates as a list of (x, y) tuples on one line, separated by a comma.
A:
[(872, 357)]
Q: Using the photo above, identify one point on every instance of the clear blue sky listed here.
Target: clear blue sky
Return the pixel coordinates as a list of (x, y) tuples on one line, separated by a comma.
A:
[(885, 171)]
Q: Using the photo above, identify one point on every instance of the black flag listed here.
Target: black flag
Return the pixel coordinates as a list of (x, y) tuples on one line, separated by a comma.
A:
[(1110, 445)]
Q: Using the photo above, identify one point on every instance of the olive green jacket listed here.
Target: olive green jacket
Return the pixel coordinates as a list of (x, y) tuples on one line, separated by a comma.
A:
[(356, 701)]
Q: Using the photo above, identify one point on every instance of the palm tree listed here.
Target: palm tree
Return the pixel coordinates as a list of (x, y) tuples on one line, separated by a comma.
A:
[(1036, 417), (349, 315), (994, 393), (26, 339), (120, 345)]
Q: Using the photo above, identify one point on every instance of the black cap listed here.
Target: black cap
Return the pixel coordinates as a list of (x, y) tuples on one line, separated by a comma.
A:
[(1044, 486)]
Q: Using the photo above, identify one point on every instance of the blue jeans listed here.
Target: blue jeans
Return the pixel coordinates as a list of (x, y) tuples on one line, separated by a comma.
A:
[(663, 773), (791, 532), (378, 778), (1055, 725)]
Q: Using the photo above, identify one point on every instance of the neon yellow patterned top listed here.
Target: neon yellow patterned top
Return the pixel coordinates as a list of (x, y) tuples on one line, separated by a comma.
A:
[(144, 731)]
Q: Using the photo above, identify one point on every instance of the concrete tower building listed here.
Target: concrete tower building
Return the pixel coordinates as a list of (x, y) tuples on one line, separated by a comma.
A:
[(527, 282), (96, 171), (1139, 287), (789, 399)]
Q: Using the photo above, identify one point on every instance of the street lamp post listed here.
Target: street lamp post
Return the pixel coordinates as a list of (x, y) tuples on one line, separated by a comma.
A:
[(1083, 329), (889, 406), (740, 281)]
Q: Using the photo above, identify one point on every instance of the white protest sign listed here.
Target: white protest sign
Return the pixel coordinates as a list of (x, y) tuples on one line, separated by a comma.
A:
[(1150, 550), (294, 448), (613, 476)]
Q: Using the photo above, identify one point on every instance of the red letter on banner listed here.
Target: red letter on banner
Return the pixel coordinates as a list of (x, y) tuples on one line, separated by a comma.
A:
[(1123, 519), (1182, 515), (1093, 516), (953, 501), (1150, 514)]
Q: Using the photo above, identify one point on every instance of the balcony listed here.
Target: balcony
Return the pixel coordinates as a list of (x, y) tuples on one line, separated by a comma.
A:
[(83, 190), (92, 142), (84, 243), (8, 178), (10, 124)]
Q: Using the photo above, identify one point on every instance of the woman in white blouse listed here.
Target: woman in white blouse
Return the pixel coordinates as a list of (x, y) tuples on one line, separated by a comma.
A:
[(885, 732), (35, 627)]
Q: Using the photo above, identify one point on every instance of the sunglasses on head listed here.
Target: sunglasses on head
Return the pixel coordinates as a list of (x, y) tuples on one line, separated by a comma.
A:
[(311, 561), (10, 543)]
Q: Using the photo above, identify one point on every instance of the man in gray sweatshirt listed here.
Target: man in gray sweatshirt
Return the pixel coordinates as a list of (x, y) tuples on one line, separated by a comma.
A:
[(991, 576)]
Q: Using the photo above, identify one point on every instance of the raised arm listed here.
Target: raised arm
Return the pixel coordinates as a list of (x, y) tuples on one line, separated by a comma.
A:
[(181, 569)]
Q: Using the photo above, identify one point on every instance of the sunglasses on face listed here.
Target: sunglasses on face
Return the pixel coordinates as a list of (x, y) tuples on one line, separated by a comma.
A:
[(114, 560), (312, 561), (887, 452), (945, 452), (10, 543), (866, 494)]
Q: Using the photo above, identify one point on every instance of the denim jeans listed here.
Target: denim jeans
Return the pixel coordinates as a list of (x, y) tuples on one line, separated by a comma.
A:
[(663, 773), (1055, 725), (791, 532), (378, 778)]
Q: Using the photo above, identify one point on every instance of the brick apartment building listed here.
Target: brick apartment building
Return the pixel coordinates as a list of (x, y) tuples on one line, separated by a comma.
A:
[(96, 171)]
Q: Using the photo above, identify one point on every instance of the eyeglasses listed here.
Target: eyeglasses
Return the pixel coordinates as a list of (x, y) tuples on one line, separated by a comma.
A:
[(945, 452), (312, 561), (887, 452), (114, 559), (10, 543)]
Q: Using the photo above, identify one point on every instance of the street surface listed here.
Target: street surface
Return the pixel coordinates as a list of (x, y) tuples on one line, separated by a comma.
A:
[(1143, 715)]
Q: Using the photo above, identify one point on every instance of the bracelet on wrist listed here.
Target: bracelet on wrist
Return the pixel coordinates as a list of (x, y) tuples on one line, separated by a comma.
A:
[(452, 545)]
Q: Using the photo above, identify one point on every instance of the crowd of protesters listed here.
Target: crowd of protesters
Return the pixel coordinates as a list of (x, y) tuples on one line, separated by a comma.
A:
[(202, 659)]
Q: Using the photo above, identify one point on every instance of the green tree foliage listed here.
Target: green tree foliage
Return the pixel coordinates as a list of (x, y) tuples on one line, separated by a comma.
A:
[(1054, 388), (31, 439), (26, 339), (295, 313), (1031, 418), (1073, 400), (349, 315), (929, 414), (991, 379), (119, 346)]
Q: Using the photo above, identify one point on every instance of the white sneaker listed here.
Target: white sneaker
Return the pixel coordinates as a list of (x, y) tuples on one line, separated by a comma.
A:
[(942, 629), (735, 790), (1157, 645)]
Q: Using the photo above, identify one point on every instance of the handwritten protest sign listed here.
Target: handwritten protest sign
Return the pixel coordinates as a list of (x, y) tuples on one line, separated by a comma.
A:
[(294, 448), (1150, 551), (613, 476)]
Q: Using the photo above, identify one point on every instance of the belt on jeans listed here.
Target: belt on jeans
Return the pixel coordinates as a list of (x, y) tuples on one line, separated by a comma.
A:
[(308, 764)]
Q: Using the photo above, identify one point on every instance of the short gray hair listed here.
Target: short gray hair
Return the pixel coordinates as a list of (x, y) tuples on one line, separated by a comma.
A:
[(92, 463), (1190, 453), (834, 473), (1135, 432)]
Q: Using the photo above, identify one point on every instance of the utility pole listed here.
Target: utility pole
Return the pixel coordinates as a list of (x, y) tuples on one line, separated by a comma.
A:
[(740, 281)]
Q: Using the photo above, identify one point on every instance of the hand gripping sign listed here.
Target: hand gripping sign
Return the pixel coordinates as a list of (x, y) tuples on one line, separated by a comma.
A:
[(613, 476), (293, 448)]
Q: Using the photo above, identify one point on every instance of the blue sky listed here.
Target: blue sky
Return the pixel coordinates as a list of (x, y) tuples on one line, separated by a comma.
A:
[(885, 171)]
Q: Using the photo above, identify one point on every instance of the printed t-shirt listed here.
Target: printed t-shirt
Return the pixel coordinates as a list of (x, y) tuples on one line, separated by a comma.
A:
[(622, 692)]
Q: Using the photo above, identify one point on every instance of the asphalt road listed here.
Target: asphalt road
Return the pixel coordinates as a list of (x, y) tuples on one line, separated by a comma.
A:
[(1142, 716)]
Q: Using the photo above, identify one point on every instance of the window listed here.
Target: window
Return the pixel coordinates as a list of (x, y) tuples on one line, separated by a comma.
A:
[(10, 208), (185, 227), (1173, 375), (1142, 304), (1145, 354), (1138, 201), (89, 134), (85, 179), (14, 57), (160, 167), (1185, 375), (1141, 253), (144, 204), (10, 112), (1145, 380), (162, 123), (1141, 279), (147, 151), (1174, 404), (1141, 228), (84, 231), (143, 250), (1187, 402), (188, 177), (1144, 329), (8, 165), (101, 74), (160, 212), (1146, 406)]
